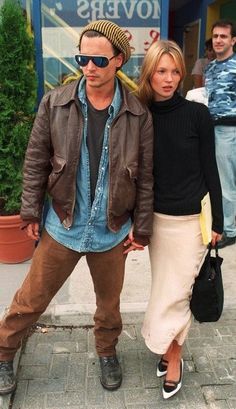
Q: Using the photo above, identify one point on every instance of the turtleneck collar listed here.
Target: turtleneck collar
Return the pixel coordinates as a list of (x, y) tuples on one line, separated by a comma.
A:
[(162, 107)]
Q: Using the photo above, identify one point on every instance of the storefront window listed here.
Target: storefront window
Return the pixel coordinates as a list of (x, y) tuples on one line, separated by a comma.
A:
[(62, 21)]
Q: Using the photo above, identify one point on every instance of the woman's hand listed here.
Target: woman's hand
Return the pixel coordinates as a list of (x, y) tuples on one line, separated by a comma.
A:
[(133, 246), (215, 237), (131, 243)]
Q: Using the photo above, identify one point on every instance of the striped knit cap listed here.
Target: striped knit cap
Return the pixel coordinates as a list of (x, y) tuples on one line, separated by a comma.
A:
[(113, 33)]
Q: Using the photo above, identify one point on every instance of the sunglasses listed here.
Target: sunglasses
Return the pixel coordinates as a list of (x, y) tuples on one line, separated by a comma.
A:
[(99, 60)]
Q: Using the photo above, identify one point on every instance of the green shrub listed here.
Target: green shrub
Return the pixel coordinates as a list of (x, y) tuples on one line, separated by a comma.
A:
[(17, 101)]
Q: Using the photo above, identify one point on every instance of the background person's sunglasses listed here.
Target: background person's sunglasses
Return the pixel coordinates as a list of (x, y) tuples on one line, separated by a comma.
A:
[(98, 60)]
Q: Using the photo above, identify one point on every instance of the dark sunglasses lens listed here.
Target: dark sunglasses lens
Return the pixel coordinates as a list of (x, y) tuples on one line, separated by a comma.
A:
[(82, 60), (100, 62)]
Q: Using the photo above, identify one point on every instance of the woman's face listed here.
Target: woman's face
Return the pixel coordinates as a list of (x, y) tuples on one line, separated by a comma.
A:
[(210, 54), (165, 79)]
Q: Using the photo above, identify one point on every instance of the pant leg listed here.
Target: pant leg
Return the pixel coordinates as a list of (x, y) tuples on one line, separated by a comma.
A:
[(107, 271), (225, 142), (52, 263)]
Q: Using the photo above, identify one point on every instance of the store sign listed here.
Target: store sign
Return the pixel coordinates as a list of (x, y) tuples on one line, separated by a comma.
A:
[(115, 10), (118, 9), (140, 19)]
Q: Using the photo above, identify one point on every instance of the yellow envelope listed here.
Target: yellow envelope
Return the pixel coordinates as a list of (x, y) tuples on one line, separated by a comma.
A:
[(206, 219)]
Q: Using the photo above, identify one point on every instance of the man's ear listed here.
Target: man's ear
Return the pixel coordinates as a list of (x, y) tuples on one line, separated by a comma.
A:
[(119, 60), (233, 41)]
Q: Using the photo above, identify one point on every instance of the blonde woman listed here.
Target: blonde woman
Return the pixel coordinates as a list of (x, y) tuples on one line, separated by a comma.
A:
[(184, 171)]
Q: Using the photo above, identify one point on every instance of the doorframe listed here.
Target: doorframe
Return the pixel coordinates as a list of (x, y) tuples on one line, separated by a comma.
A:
[(164, 24), (199, 34), (188, 74), (37, 26)]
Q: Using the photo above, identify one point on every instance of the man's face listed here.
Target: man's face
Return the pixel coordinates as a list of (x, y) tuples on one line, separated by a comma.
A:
[(99, 46), (223, 42)]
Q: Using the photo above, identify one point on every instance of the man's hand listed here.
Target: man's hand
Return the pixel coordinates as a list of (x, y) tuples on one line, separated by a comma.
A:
[(32, 231)]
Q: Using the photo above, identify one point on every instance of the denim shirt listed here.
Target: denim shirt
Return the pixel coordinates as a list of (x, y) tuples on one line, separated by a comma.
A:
[(89, 232)]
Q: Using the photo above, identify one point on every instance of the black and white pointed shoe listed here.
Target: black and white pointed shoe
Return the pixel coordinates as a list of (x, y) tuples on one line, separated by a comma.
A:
[(162, 367), (170, 388)]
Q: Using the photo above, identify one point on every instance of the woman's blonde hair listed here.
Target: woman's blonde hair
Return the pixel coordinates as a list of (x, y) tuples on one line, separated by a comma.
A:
[(151, 59)]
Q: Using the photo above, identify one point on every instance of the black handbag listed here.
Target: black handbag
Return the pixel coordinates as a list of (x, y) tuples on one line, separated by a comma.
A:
[(208, 294)]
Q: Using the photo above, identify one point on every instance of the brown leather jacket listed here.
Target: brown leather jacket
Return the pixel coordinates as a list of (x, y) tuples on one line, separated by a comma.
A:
[(52, 159)]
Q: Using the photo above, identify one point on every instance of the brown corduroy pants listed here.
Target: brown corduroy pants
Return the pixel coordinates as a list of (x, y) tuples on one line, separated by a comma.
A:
[(52, 264)]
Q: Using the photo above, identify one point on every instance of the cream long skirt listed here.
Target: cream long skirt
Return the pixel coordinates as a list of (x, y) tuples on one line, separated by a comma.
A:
[(176, 255)]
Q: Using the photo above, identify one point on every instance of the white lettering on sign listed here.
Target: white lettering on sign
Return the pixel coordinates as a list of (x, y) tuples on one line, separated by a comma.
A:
[(83, 6), (142, 7), (101, 9), (112, 7), (129, 11)]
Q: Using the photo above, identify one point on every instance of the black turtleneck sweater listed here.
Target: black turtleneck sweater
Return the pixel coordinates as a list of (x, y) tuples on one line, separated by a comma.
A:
[(184, 159)]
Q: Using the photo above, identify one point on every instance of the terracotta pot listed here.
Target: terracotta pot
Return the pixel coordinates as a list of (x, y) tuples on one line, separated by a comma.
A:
[(15, 245)]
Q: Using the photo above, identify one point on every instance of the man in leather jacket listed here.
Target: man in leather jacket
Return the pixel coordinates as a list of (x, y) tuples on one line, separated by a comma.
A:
[(91, 151)]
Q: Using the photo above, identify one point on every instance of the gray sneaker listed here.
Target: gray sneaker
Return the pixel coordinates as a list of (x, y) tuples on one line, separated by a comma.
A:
[(7, 377), (226, 241)]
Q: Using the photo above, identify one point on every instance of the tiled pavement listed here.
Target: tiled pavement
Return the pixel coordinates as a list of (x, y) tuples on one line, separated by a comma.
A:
[(59, 370)]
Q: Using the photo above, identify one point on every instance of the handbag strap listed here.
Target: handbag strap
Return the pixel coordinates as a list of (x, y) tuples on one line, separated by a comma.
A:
[(218, 259), (210, 247)]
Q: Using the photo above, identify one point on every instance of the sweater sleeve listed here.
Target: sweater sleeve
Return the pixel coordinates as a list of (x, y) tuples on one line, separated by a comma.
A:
[(209, 166)]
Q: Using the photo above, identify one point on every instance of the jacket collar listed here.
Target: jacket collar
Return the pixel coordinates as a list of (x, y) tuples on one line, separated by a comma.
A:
[(67, 93)]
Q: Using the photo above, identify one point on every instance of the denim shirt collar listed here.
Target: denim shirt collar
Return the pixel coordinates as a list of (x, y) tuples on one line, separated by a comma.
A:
[(115, 104)]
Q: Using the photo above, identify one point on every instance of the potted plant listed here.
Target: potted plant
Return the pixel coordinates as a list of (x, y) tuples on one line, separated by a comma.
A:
[(17, 103)]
